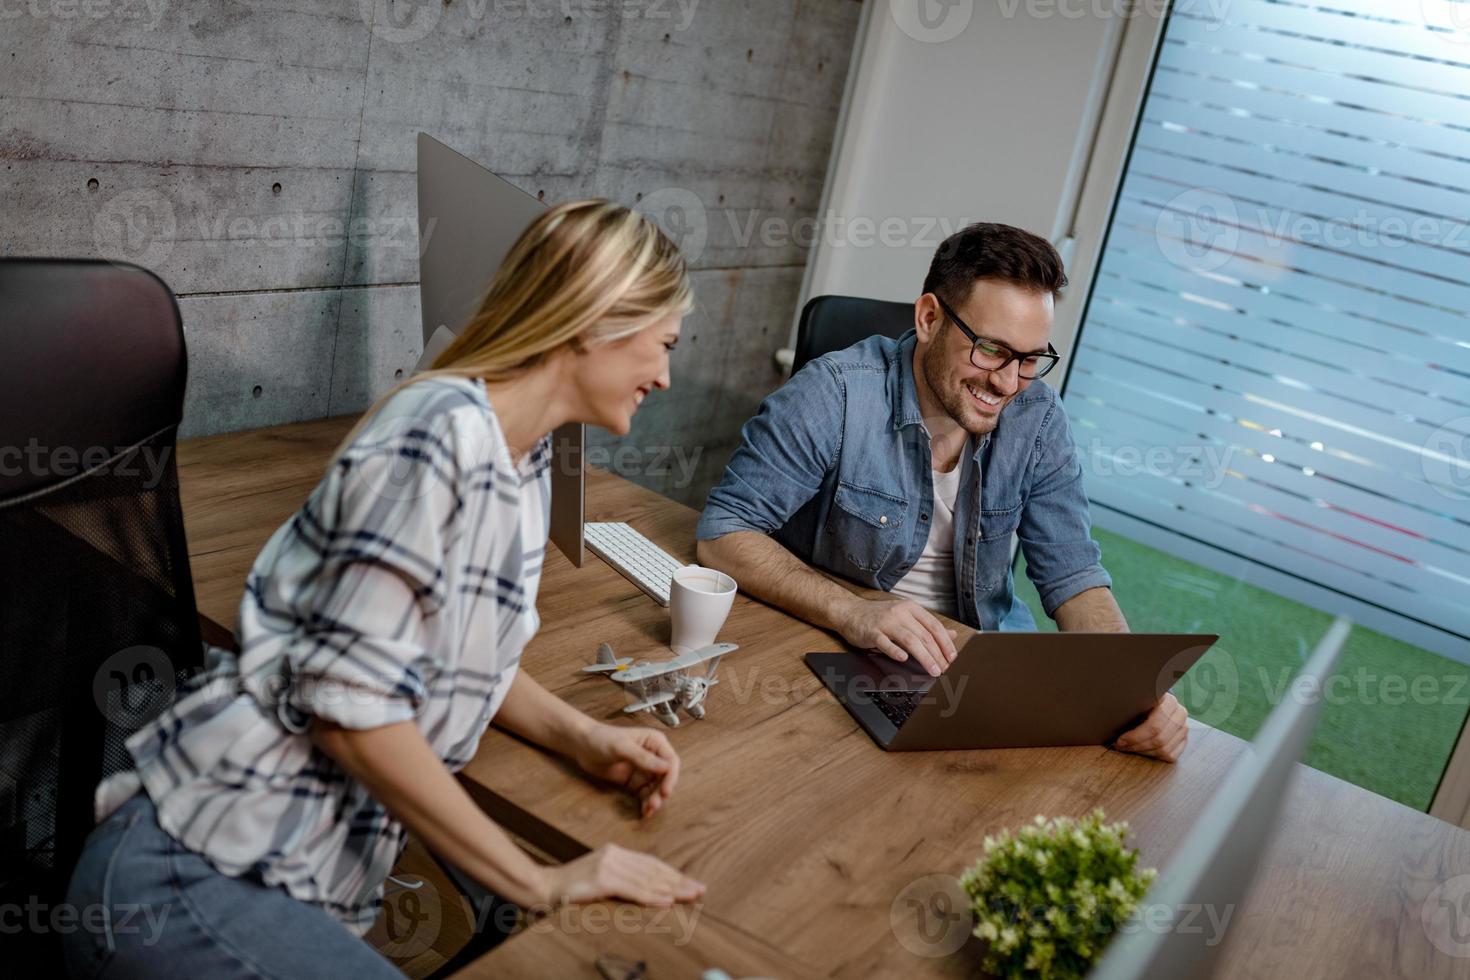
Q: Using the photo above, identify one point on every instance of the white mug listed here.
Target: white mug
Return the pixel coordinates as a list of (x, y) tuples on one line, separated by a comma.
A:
[(699, 600)]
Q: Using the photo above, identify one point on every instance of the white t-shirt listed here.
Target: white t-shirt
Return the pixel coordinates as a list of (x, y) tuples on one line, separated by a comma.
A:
[(930, 582)]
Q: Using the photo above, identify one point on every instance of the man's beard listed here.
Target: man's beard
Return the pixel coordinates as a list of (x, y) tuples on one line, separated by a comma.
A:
[(953, 397)]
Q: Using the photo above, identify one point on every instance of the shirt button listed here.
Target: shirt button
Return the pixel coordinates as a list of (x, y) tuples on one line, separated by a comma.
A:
[(923, 517), (882, 518)]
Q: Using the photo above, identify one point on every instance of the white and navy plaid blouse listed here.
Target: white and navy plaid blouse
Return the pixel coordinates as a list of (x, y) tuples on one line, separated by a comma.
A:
[(404, 588)]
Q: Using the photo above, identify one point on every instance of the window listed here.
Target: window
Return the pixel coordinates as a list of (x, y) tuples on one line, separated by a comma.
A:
[(1271, 385)]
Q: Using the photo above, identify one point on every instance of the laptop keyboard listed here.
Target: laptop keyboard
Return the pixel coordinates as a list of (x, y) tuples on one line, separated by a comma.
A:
[(895, 705)]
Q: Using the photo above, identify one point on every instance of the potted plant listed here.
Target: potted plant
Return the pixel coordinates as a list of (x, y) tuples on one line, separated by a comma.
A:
[(1048, 898)]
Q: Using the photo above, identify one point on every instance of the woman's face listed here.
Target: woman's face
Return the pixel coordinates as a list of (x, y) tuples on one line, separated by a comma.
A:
[(613, 379)]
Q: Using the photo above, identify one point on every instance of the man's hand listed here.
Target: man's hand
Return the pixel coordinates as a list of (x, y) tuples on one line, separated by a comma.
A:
[(901, 629), (639, 759), (1162, 734)]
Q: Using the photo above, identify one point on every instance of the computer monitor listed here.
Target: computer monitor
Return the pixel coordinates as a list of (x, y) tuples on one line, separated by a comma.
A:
[(468, 220), (1209, 876)]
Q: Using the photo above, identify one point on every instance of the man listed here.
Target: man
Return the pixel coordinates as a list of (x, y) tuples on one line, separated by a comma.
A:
[(907, 465)]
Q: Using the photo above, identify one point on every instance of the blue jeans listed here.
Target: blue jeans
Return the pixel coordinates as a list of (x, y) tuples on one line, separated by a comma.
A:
[(149, 907)]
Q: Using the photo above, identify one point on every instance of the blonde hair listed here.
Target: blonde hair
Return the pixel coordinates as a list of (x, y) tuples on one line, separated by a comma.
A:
[(584, 274)]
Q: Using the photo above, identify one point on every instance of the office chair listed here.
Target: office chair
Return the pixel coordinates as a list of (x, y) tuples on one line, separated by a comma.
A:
[(97, 617), (831, 323)]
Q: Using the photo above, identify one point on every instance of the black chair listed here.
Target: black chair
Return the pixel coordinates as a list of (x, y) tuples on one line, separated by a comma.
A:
[(831, 323), (97, 617)]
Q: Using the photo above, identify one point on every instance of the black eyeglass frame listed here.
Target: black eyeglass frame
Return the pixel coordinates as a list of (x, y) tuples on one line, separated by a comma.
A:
[(1049, 359)]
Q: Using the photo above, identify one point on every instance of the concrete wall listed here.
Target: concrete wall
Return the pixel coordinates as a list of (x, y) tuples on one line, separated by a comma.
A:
[(260, 157)]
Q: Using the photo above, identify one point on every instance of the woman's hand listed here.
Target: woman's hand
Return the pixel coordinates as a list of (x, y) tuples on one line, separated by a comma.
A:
[(639, 759), (615, 872)]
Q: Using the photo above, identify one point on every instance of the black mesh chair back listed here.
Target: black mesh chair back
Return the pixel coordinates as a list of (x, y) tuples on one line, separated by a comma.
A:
[(831, 323), (97, 617)]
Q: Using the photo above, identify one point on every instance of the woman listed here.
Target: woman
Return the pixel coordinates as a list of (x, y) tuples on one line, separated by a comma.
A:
[(380, 632)]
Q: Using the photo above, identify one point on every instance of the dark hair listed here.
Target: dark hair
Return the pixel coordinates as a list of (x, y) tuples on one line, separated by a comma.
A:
[(986, 250)]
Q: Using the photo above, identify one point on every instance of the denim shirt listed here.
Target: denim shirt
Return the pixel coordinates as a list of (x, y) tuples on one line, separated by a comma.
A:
[(836, 467)]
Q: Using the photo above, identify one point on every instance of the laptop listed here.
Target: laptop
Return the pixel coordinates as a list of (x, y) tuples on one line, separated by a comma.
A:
[(1013, 690)]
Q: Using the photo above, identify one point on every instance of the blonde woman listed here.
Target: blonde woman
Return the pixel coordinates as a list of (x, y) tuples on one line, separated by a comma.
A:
[(380, 633)]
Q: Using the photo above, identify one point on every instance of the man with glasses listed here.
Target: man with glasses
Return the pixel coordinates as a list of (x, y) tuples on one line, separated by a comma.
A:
[(906, 466)]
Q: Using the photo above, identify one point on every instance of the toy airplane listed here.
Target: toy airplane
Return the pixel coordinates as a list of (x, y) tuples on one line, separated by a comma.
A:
[(664, 686)]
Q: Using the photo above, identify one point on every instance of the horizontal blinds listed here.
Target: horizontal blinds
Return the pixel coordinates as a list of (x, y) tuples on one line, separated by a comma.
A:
[(1275, 357)]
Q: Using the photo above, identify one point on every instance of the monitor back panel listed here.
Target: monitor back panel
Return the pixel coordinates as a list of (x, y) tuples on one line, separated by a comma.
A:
[(1211, 871), (468, 220), (568, 488)]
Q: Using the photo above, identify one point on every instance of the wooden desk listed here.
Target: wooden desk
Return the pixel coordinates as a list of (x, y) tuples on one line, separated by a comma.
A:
[(808, 836), (681, 942)]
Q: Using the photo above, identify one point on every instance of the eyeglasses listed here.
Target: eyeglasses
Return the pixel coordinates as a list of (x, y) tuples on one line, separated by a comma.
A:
[(990, 355)]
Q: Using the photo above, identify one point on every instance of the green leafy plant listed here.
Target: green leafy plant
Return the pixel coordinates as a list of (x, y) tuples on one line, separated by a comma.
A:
[(1048, 898)]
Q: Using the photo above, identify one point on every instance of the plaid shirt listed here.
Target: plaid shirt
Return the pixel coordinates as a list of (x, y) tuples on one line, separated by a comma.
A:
[(404, 588)]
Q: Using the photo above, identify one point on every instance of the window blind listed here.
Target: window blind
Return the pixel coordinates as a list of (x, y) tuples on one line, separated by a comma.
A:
[(1274, 361)]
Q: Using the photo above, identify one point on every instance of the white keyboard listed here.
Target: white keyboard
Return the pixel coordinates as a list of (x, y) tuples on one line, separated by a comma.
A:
[(634, 557)]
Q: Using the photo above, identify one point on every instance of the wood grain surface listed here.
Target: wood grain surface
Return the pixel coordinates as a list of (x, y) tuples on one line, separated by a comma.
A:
[(824, 855)]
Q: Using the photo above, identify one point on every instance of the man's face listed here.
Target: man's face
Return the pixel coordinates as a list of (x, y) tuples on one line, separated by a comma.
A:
[(1015, 316)]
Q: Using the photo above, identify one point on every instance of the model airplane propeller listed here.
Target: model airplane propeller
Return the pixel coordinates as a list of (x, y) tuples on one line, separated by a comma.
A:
[(662, 687)]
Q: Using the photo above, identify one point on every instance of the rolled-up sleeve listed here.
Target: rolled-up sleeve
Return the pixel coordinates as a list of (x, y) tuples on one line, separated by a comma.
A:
[(357, 656), (1062, 559), (784, 454)]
